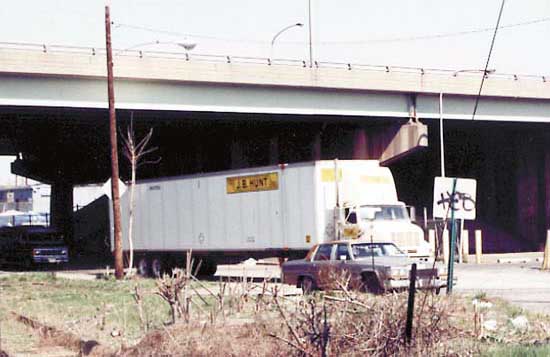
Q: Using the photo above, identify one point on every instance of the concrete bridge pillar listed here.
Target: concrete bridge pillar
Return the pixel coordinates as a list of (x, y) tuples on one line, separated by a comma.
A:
[(61, 208), (533, 175), (546, 186), (360, 148), (238, 159), (316, 152), (274, 150)]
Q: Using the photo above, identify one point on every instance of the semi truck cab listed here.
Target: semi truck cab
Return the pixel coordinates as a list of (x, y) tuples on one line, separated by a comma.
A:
[(386, 223)]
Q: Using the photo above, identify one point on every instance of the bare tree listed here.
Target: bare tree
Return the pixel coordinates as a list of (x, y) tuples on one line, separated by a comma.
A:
[(135, 151)]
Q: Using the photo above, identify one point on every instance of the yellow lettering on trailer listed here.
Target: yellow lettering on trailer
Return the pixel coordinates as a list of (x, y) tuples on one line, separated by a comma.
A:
[(253, 183), (376, 179), (327, 175)]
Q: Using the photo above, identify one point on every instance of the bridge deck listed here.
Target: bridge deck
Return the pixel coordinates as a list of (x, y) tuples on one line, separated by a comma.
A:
[(28, 60)]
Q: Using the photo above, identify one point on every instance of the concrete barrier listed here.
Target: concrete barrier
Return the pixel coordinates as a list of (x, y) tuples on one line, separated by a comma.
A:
[(546, 258), (479, 246), (465, 245)]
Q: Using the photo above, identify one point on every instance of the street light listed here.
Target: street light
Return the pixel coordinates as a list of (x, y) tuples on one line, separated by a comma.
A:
[(299, 24), (484, 71), (187, 44)]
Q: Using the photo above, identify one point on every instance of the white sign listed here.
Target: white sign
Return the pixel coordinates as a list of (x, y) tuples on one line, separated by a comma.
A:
[(463, 203)]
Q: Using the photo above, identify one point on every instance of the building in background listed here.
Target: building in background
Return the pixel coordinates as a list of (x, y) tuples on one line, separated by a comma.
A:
[(17, 198)]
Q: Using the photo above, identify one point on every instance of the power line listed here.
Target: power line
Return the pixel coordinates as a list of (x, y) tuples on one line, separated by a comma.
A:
[(440, 35), (181, 34), (488, 59), (359, 42)]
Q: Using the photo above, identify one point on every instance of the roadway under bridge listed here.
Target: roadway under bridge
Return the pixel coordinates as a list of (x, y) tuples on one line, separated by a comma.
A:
[(211, 114)]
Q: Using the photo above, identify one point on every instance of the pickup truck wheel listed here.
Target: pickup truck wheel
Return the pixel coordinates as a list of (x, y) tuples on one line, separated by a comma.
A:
[(143, 266), (156, 267), (371, 284), (307, 284)]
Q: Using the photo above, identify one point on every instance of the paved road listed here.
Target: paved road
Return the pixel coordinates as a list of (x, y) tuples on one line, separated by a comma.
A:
[(524, 285)]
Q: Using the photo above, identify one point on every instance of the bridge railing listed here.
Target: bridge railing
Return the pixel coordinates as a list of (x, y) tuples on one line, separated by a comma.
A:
[(208, 58)]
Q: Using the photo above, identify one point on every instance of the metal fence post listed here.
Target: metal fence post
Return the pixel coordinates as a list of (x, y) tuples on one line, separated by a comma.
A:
[(410, 304)]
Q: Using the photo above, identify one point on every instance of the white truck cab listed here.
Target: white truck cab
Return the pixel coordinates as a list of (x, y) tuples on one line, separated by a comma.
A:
[(386, 223), (366, 206)]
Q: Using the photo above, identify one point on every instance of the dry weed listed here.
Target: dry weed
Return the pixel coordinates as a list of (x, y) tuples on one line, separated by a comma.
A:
[(360, 324)]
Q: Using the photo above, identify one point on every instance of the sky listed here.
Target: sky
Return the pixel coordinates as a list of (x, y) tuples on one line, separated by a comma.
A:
[(416, 33)]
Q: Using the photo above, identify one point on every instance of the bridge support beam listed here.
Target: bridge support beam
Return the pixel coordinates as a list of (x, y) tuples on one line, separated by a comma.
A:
[(409, 137)]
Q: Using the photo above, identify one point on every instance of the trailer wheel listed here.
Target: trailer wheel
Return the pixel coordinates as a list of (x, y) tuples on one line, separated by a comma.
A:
[(143, 266), (208, 267), (156, 267)]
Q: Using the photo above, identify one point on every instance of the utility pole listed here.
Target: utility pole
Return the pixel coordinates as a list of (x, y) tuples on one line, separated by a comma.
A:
[(119, 267), (310, 36), (441, 141)]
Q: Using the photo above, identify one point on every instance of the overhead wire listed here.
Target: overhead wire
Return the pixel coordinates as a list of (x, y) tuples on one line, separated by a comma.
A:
[(358, 42), (488, 59)]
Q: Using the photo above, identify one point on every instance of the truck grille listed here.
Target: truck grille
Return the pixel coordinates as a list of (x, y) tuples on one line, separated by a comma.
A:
[(49, 251), (405, 239)]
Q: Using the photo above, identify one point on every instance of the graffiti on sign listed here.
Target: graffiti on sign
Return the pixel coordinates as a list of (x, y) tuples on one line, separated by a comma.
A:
[(462, 203), (261, 182)]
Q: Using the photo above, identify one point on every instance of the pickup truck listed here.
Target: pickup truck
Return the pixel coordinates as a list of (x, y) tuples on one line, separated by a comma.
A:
[(30, 246), (372, 266)]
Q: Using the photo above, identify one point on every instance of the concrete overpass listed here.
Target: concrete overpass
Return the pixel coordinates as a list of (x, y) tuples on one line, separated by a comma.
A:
[(75, 78), (213, 113)]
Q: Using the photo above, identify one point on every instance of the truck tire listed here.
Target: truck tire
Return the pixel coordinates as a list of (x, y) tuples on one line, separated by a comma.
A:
[(208, 267), (143, 266), (156, 267), (371, 284), (307, 285)]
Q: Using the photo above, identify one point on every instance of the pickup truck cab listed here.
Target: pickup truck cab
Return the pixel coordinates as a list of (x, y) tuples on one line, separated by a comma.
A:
[(30, 246), (372, 266)]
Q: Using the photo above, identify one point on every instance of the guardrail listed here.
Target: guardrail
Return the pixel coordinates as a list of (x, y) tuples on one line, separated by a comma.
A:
[(81, 50)]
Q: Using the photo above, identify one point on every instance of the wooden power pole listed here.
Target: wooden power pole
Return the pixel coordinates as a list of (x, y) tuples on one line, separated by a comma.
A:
[(119, 267)]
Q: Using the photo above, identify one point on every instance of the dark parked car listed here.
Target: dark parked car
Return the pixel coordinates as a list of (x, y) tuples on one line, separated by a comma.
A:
[(374, 267), (30, 246)]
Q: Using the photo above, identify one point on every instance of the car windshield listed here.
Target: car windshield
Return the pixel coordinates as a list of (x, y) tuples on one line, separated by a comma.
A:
[(44, 237), (383, 213), (366, 250)]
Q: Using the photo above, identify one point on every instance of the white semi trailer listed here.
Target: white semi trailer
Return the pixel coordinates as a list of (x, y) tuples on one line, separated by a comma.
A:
[(279, 211)]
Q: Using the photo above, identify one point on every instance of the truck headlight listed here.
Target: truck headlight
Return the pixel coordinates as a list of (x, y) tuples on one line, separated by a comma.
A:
[(399, 272), (35, 252)]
